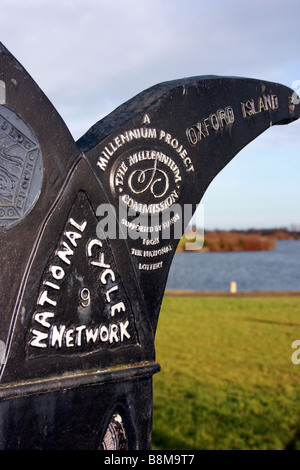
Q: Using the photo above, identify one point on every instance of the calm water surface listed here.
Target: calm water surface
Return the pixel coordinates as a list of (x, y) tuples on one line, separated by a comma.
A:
[(275, 270)]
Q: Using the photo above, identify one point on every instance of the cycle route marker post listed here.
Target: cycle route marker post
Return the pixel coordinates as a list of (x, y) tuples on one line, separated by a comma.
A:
[(88, 230)]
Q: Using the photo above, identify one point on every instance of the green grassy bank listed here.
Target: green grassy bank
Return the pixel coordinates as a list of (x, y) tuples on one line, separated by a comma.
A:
[(227, 378)]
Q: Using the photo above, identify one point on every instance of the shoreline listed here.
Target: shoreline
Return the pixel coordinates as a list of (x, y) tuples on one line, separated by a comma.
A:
[(193, 293)]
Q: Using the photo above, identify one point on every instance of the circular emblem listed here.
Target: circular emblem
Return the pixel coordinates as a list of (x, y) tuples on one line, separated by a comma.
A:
[(21, 169), (147, 180)]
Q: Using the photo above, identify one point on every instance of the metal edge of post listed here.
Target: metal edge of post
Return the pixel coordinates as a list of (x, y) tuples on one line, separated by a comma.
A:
[(90, 378)]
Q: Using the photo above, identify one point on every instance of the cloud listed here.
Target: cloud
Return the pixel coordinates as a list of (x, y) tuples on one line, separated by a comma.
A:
[(89, 56)]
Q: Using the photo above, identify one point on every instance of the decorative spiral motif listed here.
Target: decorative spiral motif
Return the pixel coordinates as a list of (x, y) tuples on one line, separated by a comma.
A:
[(152, 178)]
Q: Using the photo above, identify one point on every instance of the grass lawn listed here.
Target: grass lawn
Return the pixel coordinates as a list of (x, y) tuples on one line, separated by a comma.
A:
[(227, 380)]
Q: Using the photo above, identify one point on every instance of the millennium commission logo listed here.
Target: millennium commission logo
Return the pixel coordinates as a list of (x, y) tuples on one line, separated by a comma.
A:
[(21, 170), (147, 181), (147, 168)]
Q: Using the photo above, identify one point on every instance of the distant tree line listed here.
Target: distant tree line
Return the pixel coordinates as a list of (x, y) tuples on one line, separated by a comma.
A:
[(241, 240)]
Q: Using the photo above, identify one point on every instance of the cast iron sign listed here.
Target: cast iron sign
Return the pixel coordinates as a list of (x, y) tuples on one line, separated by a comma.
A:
[(88, 231)]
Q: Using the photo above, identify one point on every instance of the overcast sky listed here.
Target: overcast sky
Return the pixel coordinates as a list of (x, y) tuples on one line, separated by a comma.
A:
[(89, 56)]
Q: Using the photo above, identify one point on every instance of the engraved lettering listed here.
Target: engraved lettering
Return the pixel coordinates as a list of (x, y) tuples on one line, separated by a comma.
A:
[(121, 173), (69, 338), (57, 272), (120, 140), (85, 297), (63, 254), (150, 267), (103, 334), (36, 341), (120, 307), (201, 130), (123, 330), (113, 333), (51, 284), (150, 208), (42, 318), (107, 293), (107, 273), (91, 335), (57, 336), (263, 103), (45, 299), (79, 330), (73, 236), (60, 336), (92, 243)]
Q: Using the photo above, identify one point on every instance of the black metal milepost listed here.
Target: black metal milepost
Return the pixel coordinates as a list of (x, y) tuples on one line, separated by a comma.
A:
[(87, 235)]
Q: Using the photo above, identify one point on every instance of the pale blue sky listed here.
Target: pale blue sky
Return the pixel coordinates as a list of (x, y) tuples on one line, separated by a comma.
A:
[(89, 56)]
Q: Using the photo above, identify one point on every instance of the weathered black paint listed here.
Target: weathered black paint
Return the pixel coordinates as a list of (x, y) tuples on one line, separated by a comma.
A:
[(79, 311)]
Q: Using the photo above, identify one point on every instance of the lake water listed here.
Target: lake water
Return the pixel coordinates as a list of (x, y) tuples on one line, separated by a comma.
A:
[(275, 270)]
